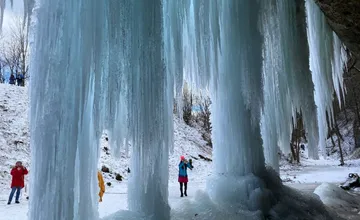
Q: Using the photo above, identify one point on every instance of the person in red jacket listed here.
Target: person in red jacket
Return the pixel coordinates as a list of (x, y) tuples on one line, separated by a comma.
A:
[(17, 182)]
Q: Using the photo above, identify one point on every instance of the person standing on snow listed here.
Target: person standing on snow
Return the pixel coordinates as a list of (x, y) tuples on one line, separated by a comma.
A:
[(183, 178), (12, 79), (17, 182), (101, 186)]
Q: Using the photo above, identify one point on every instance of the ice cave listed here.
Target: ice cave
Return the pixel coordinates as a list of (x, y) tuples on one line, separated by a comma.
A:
[(118, 65)]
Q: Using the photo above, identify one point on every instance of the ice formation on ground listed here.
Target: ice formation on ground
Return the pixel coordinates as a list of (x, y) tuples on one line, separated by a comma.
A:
[(115, 65)]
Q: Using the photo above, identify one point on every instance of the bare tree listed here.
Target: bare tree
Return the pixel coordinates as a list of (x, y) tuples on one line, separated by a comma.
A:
[(15, 48), (298, 134), (187, 104), (204, 117), (187, 107)]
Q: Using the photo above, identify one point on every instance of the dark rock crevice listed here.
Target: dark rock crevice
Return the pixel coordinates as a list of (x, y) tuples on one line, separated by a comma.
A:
[(344, 18)]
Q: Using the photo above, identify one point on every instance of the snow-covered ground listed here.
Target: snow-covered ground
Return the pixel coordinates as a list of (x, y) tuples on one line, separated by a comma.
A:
[(319, 171), (14, 130), (14, 145)]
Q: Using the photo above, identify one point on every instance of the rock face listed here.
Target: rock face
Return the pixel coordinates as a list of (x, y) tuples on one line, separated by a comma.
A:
[(344, 18)]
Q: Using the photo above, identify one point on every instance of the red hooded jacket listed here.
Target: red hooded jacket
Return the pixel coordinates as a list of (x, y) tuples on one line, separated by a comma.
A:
[(18, 176)]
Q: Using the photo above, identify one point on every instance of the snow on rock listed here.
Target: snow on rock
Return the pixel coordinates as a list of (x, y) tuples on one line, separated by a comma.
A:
[(345, 203)]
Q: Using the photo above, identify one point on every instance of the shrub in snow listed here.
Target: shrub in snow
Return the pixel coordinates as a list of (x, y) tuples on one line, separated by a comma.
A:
[(118, 177), (105, 169)]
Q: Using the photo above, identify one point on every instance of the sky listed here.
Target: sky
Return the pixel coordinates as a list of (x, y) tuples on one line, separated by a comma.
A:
[(10, 13)]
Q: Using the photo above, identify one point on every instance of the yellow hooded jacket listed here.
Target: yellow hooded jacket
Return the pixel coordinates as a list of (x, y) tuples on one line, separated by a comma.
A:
[(101, 186)]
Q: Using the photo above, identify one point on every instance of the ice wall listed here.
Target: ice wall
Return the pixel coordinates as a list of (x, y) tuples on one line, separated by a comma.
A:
[(224, 60), (150, 111), (114, 79), (285, 73), (217, 53), (326, 65), (64, 59)]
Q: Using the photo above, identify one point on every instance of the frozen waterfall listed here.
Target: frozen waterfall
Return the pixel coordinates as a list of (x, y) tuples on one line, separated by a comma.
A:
[(114, 79), (285, 72), (65, 61), (326, 64), (117, 65)]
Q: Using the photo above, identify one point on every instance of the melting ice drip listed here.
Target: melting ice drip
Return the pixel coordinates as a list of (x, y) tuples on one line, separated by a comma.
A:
[(113, 65)]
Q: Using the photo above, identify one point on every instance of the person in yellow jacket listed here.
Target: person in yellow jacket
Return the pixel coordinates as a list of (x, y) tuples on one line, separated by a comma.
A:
[(101, 186)]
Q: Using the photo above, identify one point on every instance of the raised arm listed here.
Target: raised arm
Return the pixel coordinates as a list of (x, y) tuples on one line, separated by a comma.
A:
[(189, 166), (25, 171)]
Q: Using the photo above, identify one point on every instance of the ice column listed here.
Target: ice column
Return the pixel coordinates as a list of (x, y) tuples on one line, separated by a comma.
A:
[(150, 112), (325, 66), (237, 91), (288, 87), (64, 58)]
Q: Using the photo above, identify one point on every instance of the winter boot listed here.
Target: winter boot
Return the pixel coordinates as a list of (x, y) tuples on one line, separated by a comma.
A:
[(181, 190), (9, 203), (17, 202)]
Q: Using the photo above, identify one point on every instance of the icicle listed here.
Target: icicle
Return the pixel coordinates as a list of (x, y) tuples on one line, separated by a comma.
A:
[(28, 7), (150, 112), (338, 67), (326, 66), (211, 44), (63, 60), (2, 9), (285, 72), (235, 119)]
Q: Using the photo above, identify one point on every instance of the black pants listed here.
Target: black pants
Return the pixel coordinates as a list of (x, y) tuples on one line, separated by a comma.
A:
[(181, 188)]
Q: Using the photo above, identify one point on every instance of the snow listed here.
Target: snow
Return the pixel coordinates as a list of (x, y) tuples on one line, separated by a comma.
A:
[(14, 130), (319, 171)]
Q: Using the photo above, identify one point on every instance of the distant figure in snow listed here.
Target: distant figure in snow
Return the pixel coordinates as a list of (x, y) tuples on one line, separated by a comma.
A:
[(183, 178), (20, 79), (101, 186), (12, 79), (17, 182)]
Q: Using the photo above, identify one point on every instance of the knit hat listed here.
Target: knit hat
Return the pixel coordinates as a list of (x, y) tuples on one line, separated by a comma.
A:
[(182, 158)]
